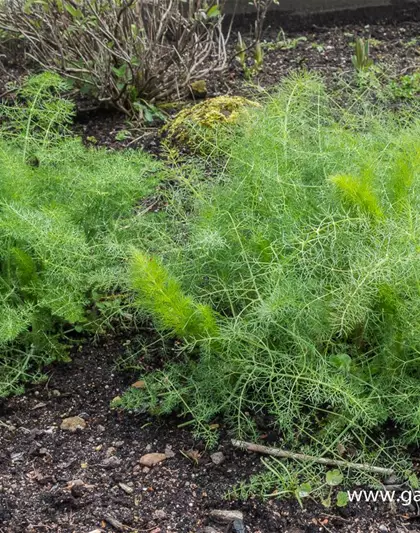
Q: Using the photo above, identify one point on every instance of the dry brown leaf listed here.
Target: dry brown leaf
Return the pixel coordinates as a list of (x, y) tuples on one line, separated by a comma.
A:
[(193, 454), (139, 384)]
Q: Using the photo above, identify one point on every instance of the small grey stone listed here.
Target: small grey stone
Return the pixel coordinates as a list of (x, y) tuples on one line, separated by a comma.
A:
[(17, 456), (100, 428), (169, 452), (72, 424), (126, 488), (111, 462), (217, 458), (238, 526), (392, 480), (159, 514), (383, 528), (116, 524), (110, 451)]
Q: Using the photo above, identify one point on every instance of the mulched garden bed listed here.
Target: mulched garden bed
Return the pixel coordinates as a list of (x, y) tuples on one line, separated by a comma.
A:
[(52, 480)]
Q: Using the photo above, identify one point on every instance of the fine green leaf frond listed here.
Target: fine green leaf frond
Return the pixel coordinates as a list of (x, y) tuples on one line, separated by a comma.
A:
[(307, 246)]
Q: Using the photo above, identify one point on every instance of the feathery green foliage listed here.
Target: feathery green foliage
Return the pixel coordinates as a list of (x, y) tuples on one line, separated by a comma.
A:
[(357, 192), (161, 295), (307, 250), (38, 113), (67, 224)]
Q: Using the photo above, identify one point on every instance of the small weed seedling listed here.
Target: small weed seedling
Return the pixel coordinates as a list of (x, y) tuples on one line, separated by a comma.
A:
[(122, 135), (250, 66), (361, 60), (406, 87), (284, 43)]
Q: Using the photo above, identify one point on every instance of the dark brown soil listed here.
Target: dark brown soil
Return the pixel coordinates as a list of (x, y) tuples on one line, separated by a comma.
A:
[(40, 463)]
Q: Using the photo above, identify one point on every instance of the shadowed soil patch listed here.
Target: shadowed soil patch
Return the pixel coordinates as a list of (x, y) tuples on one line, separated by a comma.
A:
[(52, 479)]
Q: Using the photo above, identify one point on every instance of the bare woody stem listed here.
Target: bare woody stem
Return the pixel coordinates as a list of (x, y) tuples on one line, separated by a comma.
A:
[(277, 452)]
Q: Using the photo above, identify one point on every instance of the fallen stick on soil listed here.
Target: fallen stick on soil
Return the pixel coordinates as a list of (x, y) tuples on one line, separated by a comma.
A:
[(277, 452), (115, 523)]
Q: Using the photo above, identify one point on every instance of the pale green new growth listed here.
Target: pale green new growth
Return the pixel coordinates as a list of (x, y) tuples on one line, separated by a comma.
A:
[(163, 297), (358, 192)]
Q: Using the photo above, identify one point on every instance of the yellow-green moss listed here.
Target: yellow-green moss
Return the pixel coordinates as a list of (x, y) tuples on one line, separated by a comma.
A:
[(205, 117), (199, 88)]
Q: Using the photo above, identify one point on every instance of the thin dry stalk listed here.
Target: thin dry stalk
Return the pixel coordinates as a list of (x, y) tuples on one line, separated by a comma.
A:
[(277, 452)]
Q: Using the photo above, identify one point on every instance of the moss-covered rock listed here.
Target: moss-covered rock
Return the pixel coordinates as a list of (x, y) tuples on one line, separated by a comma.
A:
[(199, 123), (199, 89)]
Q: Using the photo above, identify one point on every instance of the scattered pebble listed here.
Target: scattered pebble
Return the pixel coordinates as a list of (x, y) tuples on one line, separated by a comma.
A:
[(159, 514), (383, 528), (17, 456), (152, 459), (169, 452), (238, 526), (126, 488), (110, 451), (39, 405), (72, 424), (111, 462), (217, 458)]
